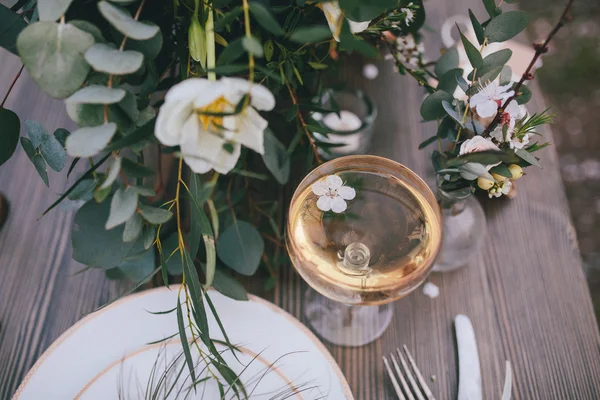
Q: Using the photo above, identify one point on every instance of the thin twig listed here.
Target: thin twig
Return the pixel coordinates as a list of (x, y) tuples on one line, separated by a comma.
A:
[(12, 85), (303, 123), (539, 50)]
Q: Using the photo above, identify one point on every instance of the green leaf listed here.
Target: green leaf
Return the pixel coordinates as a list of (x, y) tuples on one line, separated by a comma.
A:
[(472, 171), (317, 66), (61, 134), (171, 258), (427, 142), (505, 75), (484, 157), (268, 49), (447, 62), (11, 24), (96, 94), (51, 10), (432, 107), (241, 247), (124, 23), (276, 158), (360, 10), (93, 245), (196, 295), (184, 341), (135, 267), (113, 173), (140, 134), (506, 26), (472, 52), (35, 158), (53, 55), (229, 69), (133, 228), (449, 80), (148, 236), (104, 58), (201, 227), (310, 34), (122, 207), (252, 46), (525, 155), (523, 95), (490, 7), (135, 170), (53, 152), (150, 48), (89, 141), (265, 18), (36, 132), (501, 170), (477, 28), (491, 61), (83, 190), (89, 28), (155, 215), (229, 287), (451, 111), (9, 134), (232, 52)]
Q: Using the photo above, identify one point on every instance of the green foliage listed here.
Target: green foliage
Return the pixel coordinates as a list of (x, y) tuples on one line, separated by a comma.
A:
[(358, 10), (477, 28), (447, 62), (53, 55), (472, 52), (506, 26), (11, 24), (121, 20), (9, 134), (96, 94), (276, 158), (104, 58), (51, 10), (241, 247), (310, 34), (122, 207), (89, 141), (432, 107), (265, 18)]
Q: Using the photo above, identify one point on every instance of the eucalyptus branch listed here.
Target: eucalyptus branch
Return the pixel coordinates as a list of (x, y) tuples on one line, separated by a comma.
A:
[(540, 49)]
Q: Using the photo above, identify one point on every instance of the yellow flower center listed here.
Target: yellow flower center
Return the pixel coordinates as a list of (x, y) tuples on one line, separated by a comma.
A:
[(206, 114)]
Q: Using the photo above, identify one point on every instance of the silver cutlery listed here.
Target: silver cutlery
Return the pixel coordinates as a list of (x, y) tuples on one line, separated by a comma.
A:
[(412, 385)]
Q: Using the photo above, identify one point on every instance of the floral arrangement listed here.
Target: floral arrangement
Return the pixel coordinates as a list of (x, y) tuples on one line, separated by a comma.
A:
[(225, 88)]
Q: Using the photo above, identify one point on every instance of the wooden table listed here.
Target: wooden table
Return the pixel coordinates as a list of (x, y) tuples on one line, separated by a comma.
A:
[(526, 293)]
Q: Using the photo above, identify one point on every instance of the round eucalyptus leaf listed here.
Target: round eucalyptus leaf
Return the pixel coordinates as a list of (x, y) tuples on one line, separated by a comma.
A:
[(89, 28), (113, 173), (133, 228), (432, 107), (89, 141), (36, 132), (96, 94), (9, 135), (124, 23), (93, 245), (241, 247), (51, 10), (150, 48), (155, 215), (104, 58), (122, 207), (53, 152), (53, 55)]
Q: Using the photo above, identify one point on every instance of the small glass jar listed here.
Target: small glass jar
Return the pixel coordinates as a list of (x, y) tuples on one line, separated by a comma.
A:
[(464, 227), (349, 124)]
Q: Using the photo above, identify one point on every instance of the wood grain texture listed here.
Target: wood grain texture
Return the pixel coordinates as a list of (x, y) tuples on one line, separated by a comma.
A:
[(526, 292)]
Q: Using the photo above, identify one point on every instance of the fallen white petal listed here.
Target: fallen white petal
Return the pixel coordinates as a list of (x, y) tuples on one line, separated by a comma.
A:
[(431, 290)]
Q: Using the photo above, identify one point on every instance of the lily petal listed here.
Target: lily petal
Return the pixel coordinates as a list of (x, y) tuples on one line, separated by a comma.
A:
[(261, 98), (333, 15), (188, 89), (170, 120), (357, 27), (248, 129)]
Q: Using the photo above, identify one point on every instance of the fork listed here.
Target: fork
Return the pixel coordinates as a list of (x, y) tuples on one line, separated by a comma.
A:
[(415, 391)]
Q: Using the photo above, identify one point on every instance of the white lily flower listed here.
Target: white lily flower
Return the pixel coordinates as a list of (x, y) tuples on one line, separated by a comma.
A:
[(487, 101), (213, 141), (334, 14), (332, 194)]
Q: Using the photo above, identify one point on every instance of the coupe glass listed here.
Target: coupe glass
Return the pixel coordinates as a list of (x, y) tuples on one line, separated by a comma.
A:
[(362, 231)]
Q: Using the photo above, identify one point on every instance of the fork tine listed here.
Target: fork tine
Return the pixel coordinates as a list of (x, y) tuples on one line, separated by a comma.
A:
[(401, 376), (420, 378), (393, 379), (410, 377)]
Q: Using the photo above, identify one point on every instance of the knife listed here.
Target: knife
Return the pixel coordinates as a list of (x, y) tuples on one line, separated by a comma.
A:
[(469, 382)]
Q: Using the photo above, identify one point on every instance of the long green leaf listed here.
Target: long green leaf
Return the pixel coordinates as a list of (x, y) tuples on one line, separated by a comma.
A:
[(196, 294), (184, 341)]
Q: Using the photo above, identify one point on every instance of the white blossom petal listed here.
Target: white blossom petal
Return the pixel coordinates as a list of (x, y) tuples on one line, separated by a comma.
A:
[(324, 203), (338, 204), (188, 89), (209, 94), (357, 27), (261, 98), (346, 193), (320, 188), (333, 182), (487, 108)]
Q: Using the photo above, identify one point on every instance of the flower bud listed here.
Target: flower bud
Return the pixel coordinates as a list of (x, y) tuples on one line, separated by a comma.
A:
[(498, 178), (484, 183), (516, 171), (197, 41)]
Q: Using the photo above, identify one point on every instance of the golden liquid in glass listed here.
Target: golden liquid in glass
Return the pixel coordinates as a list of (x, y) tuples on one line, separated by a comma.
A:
[(396, 219)]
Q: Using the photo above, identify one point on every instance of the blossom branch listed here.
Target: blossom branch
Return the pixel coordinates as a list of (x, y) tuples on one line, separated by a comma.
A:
[(527, 75), (12, 85), (420, 79)]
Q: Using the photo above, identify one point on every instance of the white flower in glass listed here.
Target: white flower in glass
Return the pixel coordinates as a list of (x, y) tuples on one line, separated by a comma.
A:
[(334, 16), (489, 98), (194, 117), (477, 144), (332, 194)]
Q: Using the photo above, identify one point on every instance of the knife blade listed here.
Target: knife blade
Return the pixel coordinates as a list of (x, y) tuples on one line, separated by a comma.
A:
[(469, 381)]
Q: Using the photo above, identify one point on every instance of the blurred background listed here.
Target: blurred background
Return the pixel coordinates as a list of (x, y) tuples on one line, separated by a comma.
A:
[(570, 81)]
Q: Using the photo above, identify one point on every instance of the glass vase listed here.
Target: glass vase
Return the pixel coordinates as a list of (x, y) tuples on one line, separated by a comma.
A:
[(464, 227)]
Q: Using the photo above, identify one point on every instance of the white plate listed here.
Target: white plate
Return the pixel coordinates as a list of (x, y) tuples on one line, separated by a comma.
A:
[(107, 353)]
